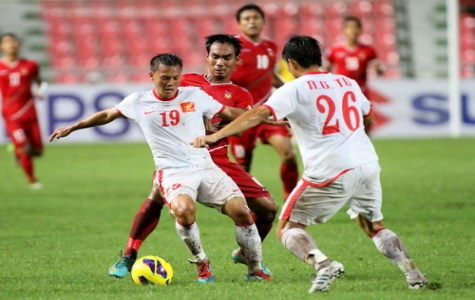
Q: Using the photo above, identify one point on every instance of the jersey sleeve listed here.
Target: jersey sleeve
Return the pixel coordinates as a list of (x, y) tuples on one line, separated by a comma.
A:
[(329, 55), (243, 100), (35, 70), (283, 101), (126, 107), (210, 105), (365, 103), (185, 80), (372, 54)]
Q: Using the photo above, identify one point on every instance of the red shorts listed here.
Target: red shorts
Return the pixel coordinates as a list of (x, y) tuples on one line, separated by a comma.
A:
[(22, 133), (249, 186), (244, 144)]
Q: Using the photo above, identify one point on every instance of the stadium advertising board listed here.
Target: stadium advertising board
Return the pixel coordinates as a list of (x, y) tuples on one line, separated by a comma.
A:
[(417, 108), (404, 109)]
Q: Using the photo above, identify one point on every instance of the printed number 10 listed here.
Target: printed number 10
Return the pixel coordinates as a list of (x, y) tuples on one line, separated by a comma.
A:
[(262, 61)]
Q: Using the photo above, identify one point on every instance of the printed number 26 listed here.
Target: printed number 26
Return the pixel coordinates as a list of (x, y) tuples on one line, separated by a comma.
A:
[(351, 117)]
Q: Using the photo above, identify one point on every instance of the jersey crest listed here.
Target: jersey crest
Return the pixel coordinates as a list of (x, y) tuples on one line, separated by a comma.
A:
[(187, 107)]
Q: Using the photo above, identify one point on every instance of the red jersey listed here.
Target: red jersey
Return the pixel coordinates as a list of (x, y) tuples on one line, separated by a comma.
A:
[(15, 89), (352, 62), (255, 70), (228, 94)]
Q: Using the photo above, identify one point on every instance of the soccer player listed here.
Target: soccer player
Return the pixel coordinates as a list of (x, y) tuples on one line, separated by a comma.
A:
[(170, 117), (352, 58), (222, 55), (17, 76), (326, 112), (256, 73)]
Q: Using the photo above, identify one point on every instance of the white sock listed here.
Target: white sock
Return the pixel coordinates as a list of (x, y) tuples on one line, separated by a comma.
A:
[(391, 246), (248, 239), (191, 236), (303, 246)]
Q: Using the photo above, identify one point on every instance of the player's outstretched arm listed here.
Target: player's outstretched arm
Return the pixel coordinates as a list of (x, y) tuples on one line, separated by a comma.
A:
[(231, 113), (245, 121), (99, 118), (42, 87)]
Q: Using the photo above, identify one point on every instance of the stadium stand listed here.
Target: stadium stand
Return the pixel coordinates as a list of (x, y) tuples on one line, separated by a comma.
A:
[(113, 40)]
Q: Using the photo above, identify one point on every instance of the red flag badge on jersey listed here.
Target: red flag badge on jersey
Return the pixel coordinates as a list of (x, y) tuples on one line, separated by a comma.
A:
[(187, 107)]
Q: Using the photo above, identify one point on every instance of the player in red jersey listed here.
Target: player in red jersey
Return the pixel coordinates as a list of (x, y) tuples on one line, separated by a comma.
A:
[(223, 52), (18, 108), (353, 58), (256, 73)]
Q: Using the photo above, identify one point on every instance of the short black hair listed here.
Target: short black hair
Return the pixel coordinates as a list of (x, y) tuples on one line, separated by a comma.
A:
[(353, 19), (305, 50), (249, 7), (227, 39), (10, 34), (166, 59)]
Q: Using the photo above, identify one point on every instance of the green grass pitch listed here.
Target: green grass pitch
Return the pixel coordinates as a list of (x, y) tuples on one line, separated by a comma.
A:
[(58, 242)]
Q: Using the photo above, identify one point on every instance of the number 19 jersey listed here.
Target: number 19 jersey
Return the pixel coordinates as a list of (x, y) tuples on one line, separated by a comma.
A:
[(170, 125), (326, 113)]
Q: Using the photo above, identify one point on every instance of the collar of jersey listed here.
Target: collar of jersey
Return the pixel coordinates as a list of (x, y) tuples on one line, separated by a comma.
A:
[(212, 83), (313, 73), (161, 99), (10, 64)]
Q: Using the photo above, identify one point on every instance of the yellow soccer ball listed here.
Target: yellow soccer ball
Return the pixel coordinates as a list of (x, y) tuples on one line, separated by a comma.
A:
[(152, 269)]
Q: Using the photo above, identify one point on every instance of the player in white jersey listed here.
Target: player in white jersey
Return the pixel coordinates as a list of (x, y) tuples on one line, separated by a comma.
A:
[(170, 118), (326, 112)]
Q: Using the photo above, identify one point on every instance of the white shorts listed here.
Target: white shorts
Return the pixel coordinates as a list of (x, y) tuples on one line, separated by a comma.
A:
[(360, 188), (208, 185)]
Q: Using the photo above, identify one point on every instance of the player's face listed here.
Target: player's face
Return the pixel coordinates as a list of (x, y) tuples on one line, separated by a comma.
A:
[(9, 45), (351, 30), (166, 80), (251, 23), (221, 61)]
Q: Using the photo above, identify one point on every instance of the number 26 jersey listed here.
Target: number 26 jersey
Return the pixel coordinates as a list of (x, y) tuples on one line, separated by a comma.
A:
[(326, 114)]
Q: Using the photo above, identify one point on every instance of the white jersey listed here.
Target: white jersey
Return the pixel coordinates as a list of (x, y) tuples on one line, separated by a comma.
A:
[(325, 112), (169, 126)]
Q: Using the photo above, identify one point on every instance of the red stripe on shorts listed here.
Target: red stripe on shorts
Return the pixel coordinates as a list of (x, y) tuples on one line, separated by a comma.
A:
[(294, 196), (160, 180), (328, 182)]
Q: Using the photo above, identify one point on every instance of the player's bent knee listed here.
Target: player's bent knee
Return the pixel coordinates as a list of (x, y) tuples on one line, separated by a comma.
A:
[(264, 207), (184, 210), (238, 211)]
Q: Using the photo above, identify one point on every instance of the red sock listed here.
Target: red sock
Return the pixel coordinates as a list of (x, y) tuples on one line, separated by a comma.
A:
[(289, 174), (145, 221), (263, 226), (26, 163)]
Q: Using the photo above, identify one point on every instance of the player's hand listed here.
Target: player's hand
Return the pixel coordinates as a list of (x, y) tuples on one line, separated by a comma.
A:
[(213, 127), (204, 141), (275, 123), (39, 95), (60, 133)]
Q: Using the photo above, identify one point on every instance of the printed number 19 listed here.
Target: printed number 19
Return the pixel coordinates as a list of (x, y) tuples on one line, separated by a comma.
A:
[(170, 118), (351, 117)]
